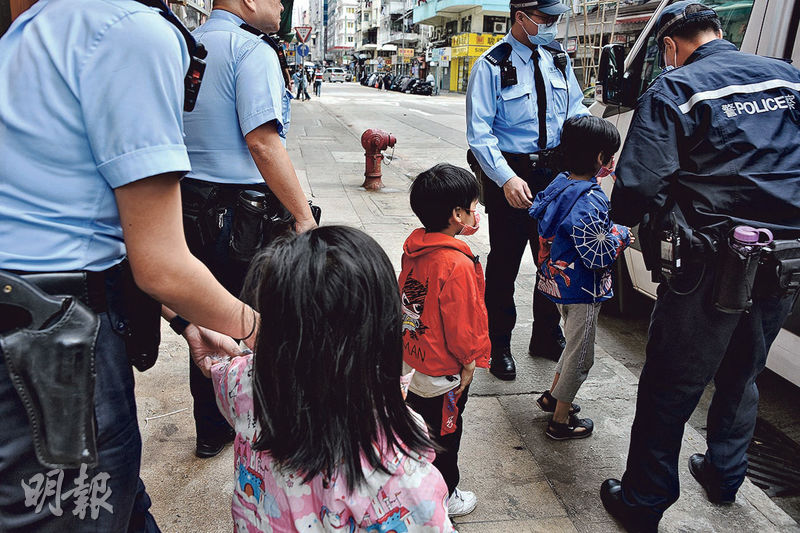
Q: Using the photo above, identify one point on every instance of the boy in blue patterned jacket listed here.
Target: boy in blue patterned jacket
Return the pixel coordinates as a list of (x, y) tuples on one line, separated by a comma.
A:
[(578, 245)]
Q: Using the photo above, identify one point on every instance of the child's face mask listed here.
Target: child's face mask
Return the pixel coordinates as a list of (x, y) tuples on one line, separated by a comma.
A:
[(605, 170), (470, 230)]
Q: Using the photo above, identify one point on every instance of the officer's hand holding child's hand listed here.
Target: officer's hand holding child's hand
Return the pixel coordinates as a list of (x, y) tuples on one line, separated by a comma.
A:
[(467, 372), (517, 192), (206, 346)]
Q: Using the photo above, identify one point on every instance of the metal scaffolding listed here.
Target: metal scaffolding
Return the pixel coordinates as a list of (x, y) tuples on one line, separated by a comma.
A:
[(594, 20)]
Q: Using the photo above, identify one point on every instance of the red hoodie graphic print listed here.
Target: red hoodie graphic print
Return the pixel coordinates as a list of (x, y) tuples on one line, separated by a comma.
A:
[(445, 325)]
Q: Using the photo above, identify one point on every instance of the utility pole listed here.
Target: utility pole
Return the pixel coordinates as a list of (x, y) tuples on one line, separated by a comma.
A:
[(403, 29)]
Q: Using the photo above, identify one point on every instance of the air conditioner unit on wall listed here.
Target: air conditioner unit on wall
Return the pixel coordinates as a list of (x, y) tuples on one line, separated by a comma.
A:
[(499, 27)]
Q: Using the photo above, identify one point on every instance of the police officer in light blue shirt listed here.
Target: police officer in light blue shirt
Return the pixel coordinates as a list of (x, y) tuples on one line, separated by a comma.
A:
[(520, 93), (234, 138), (91, 151)]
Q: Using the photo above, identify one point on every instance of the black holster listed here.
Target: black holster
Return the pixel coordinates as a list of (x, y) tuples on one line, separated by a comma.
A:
[(472, 161), (779, 269), (135, 315), (670, 246), (51, 363)]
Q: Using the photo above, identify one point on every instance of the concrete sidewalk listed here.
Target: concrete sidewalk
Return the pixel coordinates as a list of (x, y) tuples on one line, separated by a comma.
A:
[(524, 481)]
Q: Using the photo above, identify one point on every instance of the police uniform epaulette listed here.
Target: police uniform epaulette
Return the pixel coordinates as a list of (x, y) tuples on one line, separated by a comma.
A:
[(499, 53), (554, 46), (272, 44)]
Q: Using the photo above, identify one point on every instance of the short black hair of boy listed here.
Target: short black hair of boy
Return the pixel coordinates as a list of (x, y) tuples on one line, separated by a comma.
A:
[(583, 138), (439, 190), (328, 359)]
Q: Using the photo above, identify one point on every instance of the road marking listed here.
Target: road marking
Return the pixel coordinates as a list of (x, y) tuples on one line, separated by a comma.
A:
[(420, 111)]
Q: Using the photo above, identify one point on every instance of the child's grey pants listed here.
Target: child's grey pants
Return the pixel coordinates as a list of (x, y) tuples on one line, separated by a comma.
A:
[(580, 325)]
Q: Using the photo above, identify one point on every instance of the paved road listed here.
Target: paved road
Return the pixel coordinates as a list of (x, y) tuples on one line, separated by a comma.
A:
[(433, 129), (524, 481)]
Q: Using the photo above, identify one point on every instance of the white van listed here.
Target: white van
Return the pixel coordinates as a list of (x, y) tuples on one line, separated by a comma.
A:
[(763, 27), (334, 74)]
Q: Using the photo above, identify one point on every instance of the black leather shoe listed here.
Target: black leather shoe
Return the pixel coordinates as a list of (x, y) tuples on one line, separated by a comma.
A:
[(503, 365), (702, 472), (634, 518), (207, 448), (549, 349)]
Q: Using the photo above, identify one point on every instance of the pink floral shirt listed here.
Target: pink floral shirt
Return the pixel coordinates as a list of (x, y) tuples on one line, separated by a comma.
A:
[(413, 498)]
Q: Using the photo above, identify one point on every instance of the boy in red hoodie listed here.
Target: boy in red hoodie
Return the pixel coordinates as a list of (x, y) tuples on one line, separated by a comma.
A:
[(445, 326)]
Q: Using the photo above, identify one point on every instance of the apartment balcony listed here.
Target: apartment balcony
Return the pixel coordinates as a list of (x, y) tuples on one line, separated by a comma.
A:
[(393, 7), (398, 37), (437, 12)]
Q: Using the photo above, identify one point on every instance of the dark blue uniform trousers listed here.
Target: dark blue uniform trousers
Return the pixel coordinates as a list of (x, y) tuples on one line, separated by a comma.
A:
[(108, 498), (510, 232), (690, 343)]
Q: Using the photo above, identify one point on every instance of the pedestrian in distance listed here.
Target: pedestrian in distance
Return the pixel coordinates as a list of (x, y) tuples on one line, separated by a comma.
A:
[(296, 83), (578, 244), (324, 439), (318, 82), (97, 219), (309, 79), (698, 166), (520, 92), (445, 329), (247, 178)]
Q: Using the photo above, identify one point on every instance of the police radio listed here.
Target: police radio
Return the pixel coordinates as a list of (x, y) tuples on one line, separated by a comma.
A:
[(670, 250), (197, 67)]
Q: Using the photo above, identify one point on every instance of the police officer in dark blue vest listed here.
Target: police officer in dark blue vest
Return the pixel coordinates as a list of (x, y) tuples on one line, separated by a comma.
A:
[(713, 145), (91, 154), (519, 95)]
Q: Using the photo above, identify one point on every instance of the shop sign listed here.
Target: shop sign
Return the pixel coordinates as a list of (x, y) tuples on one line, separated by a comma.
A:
[(572, 45), (405, 53), (476, 39), (441, 54), (460, 51)]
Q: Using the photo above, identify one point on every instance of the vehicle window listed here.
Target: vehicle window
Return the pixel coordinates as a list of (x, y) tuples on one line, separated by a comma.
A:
[(734, 15)]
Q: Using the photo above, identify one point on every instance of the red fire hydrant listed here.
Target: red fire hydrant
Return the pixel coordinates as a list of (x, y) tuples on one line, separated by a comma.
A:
[(375, 141)]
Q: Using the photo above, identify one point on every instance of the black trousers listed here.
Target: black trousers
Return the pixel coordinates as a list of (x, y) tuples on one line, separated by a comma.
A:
[(209, 423), (431, 409), (510, 232), (690, 343)]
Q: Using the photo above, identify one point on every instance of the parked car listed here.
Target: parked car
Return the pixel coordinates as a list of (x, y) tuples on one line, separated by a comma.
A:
[(334, 74), (348, 76)]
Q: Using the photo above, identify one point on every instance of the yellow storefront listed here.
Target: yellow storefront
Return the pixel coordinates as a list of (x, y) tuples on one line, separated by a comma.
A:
[(466, 49)]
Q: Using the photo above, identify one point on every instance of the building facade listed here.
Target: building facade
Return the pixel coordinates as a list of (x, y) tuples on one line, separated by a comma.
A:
[(462, 30)]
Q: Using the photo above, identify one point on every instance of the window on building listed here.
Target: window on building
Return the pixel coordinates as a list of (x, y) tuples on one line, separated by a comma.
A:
[(466, 24), (349, 38), (496, 24), (451, 28)]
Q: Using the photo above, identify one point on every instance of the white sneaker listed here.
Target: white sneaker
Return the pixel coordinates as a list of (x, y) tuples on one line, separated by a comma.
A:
[(461, 502)]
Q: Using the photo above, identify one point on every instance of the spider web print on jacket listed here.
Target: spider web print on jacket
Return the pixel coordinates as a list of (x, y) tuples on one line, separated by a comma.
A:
[(594, 239)]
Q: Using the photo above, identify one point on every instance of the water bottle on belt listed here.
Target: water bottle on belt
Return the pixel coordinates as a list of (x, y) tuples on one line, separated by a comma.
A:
[(737, 266)]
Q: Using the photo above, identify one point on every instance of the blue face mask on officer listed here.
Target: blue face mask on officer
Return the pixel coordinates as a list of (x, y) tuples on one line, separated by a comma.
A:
[(546, 32)]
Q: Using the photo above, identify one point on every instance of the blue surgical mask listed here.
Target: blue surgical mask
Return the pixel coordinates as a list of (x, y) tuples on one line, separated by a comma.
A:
[(546, 34)]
